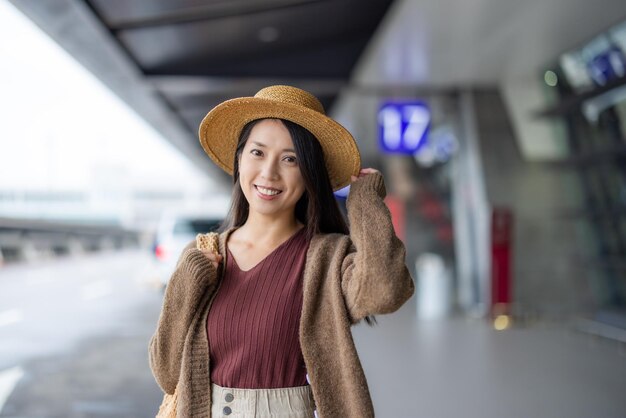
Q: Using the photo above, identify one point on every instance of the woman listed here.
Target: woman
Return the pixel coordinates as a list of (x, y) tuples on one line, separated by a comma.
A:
[(263, 328)]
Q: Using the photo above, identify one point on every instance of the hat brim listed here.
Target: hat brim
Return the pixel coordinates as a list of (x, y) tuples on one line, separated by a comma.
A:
[(220, 129)]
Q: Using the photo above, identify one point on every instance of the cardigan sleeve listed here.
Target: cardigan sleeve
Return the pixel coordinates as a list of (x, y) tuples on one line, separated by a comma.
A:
[(193, 275), (375, 278)]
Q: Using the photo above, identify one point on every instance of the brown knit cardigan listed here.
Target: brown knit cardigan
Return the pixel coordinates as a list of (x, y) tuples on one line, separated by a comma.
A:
[(345, 279)]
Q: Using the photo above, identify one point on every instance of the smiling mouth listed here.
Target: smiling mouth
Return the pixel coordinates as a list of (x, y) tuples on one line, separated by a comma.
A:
[(267, 192)]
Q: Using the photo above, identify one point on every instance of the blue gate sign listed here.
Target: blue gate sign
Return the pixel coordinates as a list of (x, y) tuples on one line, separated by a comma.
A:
[(403, 126)]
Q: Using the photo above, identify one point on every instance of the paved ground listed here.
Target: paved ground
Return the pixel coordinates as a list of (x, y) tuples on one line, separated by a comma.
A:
[(74, 336), (464, 368), (78, 339)]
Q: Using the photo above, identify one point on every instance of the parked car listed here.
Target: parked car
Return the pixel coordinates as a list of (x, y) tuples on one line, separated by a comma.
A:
[(176, 230)]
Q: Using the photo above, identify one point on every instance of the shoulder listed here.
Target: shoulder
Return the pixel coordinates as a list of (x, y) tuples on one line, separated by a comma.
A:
[(181, 256)]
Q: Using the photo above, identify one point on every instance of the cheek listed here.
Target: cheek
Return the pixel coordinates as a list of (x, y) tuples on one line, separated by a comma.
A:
[(244, 170), (299, 186)]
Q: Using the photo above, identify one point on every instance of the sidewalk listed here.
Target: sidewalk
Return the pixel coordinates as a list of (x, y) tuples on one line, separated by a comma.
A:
[(463, 368)]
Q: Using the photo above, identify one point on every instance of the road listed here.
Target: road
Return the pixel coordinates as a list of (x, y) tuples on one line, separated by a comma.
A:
[(74, 335)]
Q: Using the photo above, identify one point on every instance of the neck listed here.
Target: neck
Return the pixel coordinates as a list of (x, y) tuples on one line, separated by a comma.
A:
[(259, 228)]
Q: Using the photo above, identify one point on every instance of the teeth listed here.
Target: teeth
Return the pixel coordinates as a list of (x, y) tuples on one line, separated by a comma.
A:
[(267, 191)]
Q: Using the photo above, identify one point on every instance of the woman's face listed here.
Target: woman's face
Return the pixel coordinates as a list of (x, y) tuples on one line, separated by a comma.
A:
[(269, 172)]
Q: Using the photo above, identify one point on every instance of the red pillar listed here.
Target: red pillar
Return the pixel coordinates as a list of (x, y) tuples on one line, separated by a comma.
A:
[(501, 262)]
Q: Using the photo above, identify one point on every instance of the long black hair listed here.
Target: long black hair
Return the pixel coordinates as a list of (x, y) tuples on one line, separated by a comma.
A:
[(317, 209)]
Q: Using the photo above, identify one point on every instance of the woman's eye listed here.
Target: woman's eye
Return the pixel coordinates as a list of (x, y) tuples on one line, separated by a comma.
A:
[(256, 152), (290, 159)]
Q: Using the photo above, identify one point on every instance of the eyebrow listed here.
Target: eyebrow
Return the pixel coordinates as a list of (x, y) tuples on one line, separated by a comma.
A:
[(263, 145)]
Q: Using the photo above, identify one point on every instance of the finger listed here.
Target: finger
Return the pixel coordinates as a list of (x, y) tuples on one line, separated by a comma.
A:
[(212, 256), (207, 251)]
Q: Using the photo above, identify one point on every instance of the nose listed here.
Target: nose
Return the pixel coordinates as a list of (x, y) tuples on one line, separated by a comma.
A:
[(270, 169)]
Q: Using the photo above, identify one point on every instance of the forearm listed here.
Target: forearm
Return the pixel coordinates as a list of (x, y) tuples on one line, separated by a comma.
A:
[(376, 279), (192, 278)]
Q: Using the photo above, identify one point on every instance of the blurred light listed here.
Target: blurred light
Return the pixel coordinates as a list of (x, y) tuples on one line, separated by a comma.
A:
[(161, 252), (550, 78), (403, 126), (575, 71), (10, 317), (343, 193), (439, 147), (268, 34), (501, 322)]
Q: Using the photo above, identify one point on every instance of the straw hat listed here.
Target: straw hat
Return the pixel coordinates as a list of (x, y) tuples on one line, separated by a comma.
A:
[(220, 129)]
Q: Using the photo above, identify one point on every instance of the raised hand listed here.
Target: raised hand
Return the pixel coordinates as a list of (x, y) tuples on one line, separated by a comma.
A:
[(364, 172)]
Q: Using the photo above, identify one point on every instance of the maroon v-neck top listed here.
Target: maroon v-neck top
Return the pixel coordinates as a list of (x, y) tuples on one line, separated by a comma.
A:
[(253, 322)]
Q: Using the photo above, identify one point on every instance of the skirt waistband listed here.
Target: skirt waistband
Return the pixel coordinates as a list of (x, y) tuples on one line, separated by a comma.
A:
[(235, 402), (296, 390)]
